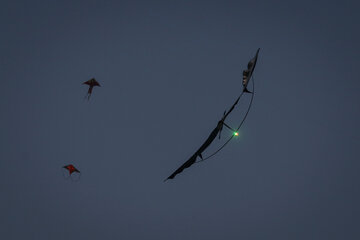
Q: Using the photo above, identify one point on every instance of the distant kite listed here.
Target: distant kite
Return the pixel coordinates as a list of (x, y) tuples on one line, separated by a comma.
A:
[(92, 83), (71, 171), (247, 74)]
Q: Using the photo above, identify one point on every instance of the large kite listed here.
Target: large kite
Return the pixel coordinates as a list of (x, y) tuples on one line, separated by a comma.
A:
[(247, 74)]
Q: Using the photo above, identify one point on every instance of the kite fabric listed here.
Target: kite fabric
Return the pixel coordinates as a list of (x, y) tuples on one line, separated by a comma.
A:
[(92, 83), (207, 143), (249, 71), (71, 169)]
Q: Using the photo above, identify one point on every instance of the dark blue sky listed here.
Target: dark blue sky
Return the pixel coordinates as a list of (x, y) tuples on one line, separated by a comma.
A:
[(168, 70)]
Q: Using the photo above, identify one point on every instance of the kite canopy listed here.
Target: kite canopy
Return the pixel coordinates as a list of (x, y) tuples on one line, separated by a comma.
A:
[(92, 82), (71, 169), (249, 71)]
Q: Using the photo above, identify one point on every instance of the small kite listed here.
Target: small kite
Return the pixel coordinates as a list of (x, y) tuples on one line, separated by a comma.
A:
[(92, 83), (70, 171), (247, 74)]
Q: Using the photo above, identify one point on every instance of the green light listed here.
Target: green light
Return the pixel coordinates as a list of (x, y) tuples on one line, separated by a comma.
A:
[(236, 134)]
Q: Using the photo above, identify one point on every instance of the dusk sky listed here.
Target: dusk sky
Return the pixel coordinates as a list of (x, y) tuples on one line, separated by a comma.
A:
[(168, 70)]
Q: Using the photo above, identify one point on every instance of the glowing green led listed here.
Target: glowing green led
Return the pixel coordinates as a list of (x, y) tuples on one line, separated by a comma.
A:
[(236, 134)]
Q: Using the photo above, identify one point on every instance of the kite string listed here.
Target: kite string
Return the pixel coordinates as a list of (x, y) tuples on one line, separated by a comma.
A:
[(64, 174), (76, 179), (243, 120)]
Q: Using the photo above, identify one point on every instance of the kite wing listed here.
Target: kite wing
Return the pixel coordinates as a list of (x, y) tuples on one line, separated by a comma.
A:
[(89, 82), (71, 168), (92, 82), (187, 164), (96, 83), (211, 138), (233, 106), (205, 145), (248, 72)]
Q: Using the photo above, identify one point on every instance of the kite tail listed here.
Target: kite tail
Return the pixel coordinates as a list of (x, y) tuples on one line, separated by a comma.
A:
[(76, 179), (87, 96), (65, 175)]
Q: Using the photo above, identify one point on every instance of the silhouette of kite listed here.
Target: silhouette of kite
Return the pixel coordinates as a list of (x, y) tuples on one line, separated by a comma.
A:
[(70, 170), (247, 74), (92, 83)]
